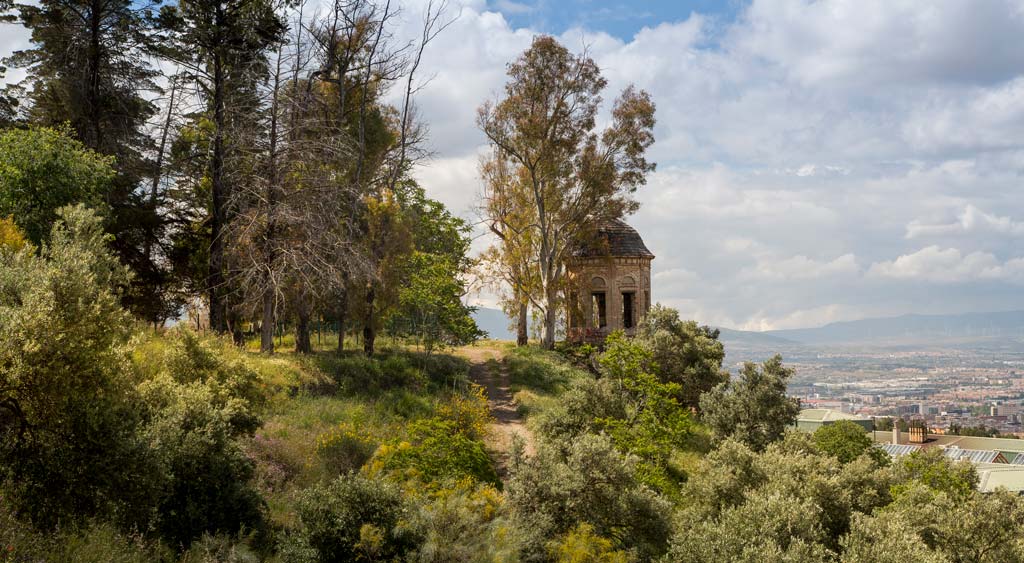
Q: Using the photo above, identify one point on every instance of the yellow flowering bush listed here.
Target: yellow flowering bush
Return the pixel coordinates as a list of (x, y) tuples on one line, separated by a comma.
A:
[(583, 545), (345, 448), (468, 412)]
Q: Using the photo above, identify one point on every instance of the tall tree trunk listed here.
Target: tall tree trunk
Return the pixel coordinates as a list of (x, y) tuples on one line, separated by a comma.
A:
[(302, 342), (269, 236), (154, 188), (550, 318), (218, 317), (95, 109), (267, 324), (237, 336), (522, 324), (369, 330), (342, 318)]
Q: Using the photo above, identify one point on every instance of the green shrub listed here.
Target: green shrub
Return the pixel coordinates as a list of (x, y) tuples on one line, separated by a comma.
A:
[(465, 522), (42, 170), (929, 467), (924, 525), (441, 369), (405, 404), (275, 462), (187, 358), (587, 480), (353, 373), (582, 544), (12, 239), (208, 486), (580, 355), (468, 411), (538, 370), (219, 549), (344, 449), (358, 374), (795, 501), (435, 451), (349, 519), (848, 441), (753, 408), (92, 542), (68, 410), (584, 402), (398, 371), (682, 352)]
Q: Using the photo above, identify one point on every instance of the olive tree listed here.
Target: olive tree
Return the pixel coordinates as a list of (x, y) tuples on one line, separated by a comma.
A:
[(754, 408)]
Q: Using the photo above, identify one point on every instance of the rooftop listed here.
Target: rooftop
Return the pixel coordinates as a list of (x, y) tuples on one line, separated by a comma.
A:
[(992, 476), (966, 442), (827, 415), (614, 238), (953, 453)]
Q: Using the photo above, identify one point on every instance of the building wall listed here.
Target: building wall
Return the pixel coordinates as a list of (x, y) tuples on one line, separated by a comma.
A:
[(613, 276), (812, 425)]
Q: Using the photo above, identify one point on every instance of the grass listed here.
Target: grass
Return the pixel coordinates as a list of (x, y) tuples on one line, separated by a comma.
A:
[(538, 377), (313, 395)]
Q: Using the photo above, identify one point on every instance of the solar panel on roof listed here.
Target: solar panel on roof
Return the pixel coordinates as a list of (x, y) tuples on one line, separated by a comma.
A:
[(897, 450), (976, 456)]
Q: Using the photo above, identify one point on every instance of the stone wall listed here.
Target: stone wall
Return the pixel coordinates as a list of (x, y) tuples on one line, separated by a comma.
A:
[(612, 276)]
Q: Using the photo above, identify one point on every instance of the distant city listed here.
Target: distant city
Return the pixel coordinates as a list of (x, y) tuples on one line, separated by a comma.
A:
[(958, 373)]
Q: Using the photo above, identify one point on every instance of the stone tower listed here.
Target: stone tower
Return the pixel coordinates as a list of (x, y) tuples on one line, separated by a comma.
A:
[(608, 284)]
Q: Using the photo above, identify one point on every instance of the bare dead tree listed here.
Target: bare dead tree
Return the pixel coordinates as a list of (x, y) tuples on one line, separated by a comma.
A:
[(324, 142)]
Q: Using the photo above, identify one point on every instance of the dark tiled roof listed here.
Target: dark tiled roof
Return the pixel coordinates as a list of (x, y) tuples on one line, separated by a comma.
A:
[(614, 238)]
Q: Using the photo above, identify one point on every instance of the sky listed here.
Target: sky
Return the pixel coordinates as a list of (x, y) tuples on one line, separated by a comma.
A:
[(817, 160)]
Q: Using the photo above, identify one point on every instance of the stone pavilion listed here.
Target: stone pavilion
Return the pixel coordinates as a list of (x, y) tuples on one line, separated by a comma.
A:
[(608, 284)]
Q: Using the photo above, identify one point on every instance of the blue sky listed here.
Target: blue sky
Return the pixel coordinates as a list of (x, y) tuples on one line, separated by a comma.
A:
[(619, 18)]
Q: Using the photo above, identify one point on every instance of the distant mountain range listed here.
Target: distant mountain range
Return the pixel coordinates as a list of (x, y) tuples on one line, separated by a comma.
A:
[(912, 328), (902, 330), (494, 322)]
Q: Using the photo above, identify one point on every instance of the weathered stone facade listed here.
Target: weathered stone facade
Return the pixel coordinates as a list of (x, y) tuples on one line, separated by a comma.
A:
[(608, 285)]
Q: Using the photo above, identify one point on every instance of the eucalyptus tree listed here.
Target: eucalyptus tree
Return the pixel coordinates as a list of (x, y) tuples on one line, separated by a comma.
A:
[(507, 264), (572, 177)]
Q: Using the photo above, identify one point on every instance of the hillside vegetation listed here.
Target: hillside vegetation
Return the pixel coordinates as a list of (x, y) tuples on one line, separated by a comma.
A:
[(120, 444)]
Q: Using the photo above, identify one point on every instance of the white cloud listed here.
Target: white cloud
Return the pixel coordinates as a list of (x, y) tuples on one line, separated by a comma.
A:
[(878, 42), (935, 264), (802, 268), (801, 318), (817, 159), (970, 220)]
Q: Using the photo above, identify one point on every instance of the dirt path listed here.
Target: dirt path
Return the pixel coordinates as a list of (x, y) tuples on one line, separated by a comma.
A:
[(489, 372)]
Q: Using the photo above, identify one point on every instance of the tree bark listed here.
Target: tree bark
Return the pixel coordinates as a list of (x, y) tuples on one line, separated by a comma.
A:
[(95, 109), (302, 342), (218, 211), (267, 325), (369, 330), (270, 235), (522, 325), (342, 318), (550, 318), (154, 188)]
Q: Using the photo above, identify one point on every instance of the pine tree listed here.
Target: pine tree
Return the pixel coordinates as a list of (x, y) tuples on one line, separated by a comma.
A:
[(222, 47), (87, 67)]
